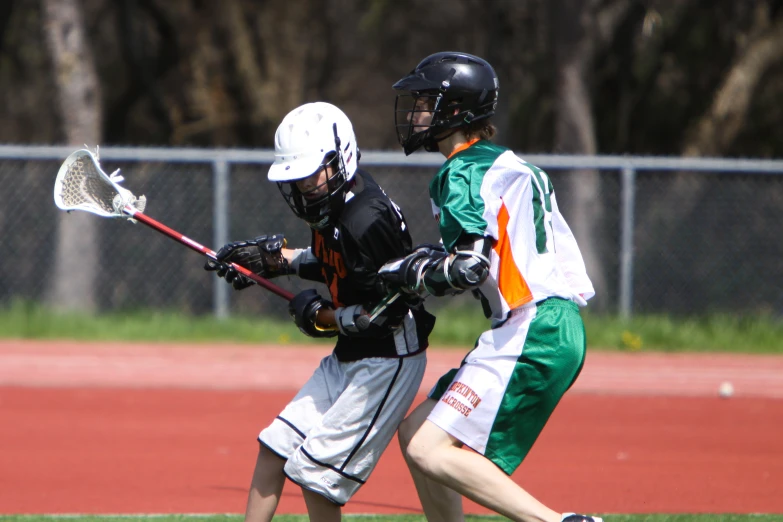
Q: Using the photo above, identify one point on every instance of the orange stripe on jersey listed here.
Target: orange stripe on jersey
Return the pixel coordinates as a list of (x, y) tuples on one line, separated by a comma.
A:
[(462, 147), (511, 284), (336, 267)]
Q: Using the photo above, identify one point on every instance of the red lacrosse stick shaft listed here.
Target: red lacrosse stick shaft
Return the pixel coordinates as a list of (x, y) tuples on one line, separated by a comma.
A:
[(173, 234)]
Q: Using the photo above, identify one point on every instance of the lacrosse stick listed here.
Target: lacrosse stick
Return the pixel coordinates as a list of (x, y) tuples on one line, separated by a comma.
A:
[(81, 184), (363, 322)]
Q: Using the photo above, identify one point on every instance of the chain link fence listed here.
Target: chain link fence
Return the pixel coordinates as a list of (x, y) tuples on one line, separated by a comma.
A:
[(667, 235)]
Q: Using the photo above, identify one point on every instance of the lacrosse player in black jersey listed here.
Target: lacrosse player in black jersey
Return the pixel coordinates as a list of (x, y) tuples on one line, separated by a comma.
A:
[(330, 436)]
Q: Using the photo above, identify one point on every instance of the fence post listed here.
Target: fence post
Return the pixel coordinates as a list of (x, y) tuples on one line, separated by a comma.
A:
[(628, 193), (220, 224)]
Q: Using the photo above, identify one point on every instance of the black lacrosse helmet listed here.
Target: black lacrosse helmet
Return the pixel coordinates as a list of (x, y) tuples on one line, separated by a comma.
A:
[(458, 88)]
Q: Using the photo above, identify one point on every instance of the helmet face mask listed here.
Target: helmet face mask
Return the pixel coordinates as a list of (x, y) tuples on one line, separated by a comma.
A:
[(321, 204), (313, 139), (463, 89), (414, 120)]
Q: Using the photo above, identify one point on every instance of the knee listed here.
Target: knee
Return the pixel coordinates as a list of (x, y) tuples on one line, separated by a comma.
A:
[(421, 456)]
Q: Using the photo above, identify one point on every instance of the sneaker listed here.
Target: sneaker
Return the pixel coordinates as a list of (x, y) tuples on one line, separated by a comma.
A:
[(573, 517)]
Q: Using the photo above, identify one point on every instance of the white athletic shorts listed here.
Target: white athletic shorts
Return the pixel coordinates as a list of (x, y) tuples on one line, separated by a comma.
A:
[(333, 432), (499, 400)]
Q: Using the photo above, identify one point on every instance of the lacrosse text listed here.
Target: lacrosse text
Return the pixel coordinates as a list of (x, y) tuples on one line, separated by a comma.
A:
[(455, 403), (466, 391)]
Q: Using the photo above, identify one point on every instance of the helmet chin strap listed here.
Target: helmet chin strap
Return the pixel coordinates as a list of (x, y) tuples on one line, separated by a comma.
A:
[(431, 143)]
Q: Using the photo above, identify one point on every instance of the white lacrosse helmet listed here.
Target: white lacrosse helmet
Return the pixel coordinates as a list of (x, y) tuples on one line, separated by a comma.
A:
[(310, 138), (306, 135)]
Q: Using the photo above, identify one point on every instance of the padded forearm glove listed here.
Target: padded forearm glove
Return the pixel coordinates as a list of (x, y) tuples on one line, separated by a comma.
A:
[(303, 309)]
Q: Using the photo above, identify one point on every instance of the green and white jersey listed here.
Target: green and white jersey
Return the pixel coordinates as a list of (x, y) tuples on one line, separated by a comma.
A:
[(487, 190)]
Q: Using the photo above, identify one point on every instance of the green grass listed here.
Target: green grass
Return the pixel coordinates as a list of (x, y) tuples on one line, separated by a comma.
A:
[(375, 518), (713, 333), (456, 327), (28, 321)]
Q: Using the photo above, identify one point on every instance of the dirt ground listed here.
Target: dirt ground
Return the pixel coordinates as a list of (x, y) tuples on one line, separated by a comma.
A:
[(144, 428)]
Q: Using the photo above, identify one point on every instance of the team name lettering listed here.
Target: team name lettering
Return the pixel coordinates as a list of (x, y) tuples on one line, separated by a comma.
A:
[(455, 403), (467, 392), (329, 256)]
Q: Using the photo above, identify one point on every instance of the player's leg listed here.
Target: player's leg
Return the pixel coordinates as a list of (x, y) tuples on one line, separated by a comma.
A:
[(440, 503), (440, 457), (281, 439), (341, 452), (319, 508), (265, 487), (497, 403)]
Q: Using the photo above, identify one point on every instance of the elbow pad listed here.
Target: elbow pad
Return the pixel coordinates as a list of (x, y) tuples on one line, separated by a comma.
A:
[(465, 269)]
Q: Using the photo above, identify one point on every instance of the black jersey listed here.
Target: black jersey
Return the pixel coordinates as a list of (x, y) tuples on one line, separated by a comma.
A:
[(370, 231)]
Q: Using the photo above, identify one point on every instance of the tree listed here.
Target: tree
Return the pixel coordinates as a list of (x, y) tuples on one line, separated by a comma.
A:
[(79, 102), (760, 48), (583, 29)]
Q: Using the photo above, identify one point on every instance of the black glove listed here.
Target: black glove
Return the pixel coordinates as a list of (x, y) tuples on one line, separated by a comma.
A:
[(405, 274), (303, 309), (355, 321), (262, 256)]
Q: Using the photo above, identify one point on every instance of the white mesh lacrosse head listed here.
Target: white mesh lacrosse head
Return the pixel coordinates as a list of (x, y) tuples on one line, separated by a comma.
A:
[(81, 184)]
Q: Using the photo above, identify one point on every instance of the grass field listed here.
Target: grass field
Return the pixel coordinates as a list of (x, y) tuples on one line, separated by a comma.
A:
[(457, 327), (378, 518)]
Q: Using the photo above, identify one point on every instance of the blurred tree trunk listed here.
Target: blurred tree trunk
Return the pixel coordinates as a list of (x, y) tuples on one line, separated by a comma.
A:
[(292, 65), (245, 66), (79, 102), (270, 60), (582, 27), (719, 126), (716, 130)]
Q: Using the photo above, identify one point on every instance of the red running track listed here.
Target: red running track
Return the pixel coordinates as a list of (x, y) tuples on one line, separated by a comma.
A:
[(101, 429)]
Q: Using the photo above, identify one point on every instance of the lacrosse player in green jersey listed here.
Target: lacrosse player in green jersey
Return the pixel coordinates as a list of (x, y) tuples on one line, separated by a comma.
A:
[(505, 240)]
